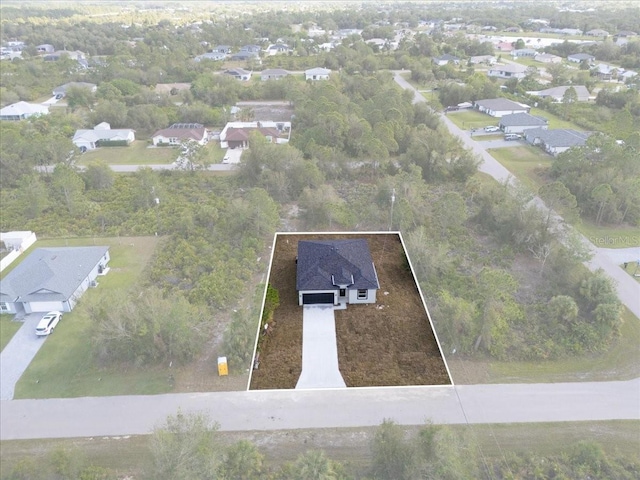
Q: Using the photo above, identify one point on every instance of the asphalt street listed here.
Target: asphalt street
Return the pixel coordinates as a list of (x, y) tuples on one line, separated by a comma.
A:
[(295, 409)]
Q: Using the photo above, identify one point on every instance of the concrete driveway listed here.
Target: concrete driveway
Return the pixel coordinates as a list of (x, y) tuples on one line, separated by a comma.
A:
[(17, 355), (499, 143), (319, 349)]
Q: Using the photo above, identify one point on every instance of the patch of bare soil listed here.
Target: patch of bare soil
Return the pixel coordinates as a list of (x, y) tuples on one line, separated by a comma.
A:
[(389, 343)]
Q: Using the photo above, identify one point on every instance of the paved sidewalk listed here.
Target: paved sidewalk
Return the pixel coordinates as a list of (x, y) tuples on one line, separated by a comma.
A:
[(319, 349), (17, 355)]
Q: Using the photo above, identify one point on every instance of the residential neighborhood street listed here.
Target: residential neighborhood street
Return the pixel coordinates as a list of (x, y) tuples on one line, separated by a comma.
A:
[(295, 409), (627, 287)]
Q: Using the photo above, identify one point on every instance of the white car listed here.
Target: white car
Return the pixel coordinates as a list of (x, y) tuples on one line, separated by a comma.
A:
[(48, 323), (491, 128)]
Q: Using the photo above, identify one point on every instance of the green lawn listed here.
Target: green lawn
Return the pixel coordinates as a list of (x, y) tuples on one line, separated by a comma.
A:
[(138, 153), (468, 119), (65, 366), (607, 236), (527, 163), (632, 269), (554, 121), (8, 329), (620, 362)]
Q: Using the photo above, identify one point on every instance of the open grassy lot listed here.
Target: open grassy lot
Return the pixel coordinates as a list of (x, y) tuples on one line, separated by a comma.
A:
[(607, 236), (529, 164), (8, 328), (138, 153), (467, 119), (65, 366), (129, 456), (620, 362), (555, 121)]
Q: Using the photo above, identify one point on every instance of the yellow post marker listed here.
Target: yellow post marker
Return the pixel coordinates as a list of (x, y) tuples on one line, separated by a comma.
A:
[(223, 369)]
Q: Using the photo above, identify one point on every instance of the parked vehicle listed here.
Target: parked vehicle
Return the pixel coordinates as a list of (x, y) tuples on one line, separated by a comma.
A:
[(47, 324), (512, 136), (491, 128)]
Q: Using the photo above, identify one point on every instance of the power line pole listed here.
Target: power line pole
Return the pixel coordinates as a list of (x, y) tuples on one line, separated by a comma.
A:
[(393, 200)]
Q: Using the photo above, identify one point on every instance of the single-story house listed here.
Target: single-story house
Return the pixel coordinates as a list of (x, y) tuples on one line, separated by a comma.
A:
[(52, 279), (510, 70), (557, 93), (278, 49), (334, 272), (499, 107), (597, 32), (606, 72), (317, 73), (547, 58), (579, 57), (45, 48), (226, 49), (524, 52), (239, 74), (251, 49), (273, 74), (57, 55), (557, 140), (22, 111), (487, 59), (90, 139), (178, 133), (63, 89), (244, 55), (236, 134), (213, 56), (519, 122), (446, 59), (505, 47)]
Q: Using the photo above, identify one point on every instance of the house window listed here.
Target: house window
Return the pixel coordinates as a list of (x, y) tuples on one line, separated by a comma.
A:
[(4, 307), (362, 294)]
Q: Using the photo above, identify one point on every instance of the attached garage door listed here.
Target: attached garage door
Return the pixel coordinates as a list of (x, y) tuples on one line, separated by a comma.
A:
[(315, 298), (45, 306)]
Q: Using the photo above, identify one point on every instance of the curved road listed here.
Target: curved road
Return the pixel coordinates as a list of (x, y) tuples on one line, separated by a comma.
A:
[(628, 288)]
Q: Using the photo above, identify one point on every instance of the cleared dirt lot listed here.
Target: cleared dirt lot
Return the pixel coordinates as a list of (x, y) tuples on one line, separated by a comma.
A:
[(390, 343)]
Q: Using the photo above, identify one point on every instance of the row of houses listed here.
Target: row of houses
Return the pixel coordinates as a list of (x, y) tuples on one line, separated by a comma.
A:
[(312, 74)]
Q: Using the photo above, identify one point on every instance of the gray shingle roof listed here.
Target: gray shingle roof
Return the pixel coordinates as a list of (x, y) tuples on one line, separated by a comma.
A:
[(51, 274), (500, 104), (324, 264), (522, 120), (559, 137)]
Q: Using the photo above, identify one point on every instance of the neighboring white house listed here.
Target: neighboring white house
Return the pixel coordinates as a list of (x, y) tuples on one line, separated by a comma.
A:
[(510, 70), (63, 89), (579, 57), (499, 107), (89, 139), (15, 243), (524, 52), (318, 73), (547, 58), (335, 272), (178, 133), (519, 122), (487, 59), (52, 279), (236, 134), (557, 93), (277, 49), (556, 141), (22, 111), (273, 74), (213, 56), (239, 74), (446, 59)]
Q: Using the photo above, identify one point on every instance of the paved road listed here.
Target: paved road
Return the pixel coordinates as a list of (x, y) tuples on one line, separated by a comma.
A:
[(628, 288), (18, 353), (292, 409)]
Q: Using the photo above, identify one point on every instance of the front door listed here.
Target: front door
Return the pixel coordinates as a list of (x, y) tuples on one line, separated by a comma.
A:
[(343, 292)]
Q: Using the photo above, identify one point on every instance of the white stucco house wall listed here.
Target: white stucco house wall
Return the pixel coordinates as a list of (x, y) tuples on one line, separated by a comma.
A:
[(87, 140), (318, 73), (52, 279)]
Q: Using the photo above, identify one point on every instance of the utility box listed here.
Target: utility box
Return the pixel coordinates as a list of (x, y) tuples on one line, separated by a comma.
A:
[(223, 369)]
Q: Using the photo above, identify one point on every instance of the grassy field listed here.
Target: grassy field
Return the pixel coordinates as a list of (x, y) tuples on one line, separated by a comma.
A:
[(138, 153), (632, 269), (65, 365), (620, 362), (468, 119), (8, 329), (554, 121), (129, 456), (607, 236), (527, 163)]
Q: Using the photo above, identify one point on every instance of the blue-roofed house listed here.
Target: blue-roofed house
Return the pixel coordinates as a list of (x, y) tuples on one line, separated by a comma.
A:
[(334, 272), (52, 279)]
